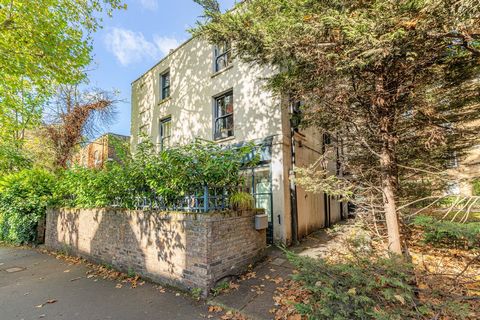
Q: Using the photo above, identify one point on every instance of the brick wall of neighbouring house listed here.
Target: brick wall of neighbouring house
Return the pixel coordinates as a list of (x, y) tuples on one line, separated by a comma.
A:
[(184, 249)]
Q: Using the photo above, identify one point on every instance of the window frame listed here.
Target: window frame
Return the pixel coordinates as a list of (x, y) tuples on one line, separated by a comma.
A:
[(216, 117), (226, 55), (165, 89), (161, 132)]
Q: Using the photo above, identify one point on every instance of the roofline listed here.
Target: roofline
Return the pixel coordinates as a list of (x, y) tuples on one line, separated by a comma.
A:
[(164, 58), (110, 134)]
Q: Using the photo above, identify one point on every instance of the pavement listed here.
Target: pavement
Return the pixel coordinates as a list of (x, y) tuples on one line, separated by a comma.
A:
[(254, 296), (35, 285), (29, 280)]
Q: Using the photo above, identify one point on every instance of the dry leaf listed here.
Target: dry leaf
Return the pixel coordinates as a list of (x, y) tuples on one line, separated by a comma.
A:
[(214, 309)]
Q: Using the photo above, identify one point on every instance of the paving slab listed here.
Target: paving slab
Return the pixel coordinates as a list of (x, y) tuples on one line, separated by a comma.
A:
[(48, 288), (254, 296)]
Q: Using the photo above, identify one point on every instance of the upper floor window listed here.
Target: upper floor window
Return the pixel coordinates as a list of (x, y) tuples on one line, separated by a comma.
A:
[(165, 85), (222, 56), (223, 115), (165, 132)]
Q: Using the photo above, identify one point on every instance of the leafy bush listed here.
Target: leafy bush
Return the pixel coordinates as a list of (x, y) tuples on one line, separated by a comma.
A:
[(13, 157), (242, 201), (170, 174), (24, 197), (447, 233)]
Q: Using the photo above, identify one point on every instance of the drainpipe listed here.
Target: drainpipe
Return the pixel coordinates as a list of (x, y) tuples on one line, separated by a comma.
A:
[(293, 187)]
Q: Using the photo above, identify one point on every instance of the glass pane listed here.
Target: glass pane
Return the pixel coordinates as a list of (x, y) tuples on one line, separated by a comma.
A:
[(167, 128), (263, 195), (229, 123), (264, 201), (221, 62), (262, 180), (166, 80), (165, 85), (229, 104), (220, 106)]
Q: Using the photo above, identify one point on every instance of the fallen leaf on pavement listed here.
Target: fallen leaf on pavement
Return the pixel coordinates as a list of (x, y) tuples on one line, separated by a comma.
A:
[(47, 302), (214, 309)]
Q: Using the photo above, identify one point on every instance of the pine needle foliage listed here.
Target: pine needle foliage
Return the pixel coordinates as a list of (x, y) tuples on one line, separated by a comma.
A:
[(396, 83)]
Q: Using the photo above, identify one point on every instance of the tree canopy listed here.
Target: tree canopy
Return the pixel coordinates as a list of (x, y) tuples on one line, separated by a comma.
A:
[(397, 82), (43, 44)]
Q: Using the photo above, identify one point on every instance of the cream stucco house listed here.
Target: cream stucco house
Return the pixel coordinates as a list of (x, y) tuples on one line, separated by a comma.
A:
[(199, 91)]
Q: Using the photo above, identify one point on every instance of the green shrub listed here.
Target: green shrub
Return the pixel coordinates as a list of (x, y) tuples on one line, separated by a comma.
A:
[(365, 286), (447, 233), (242, 201), (24, 197), (13, 157), (476, 187), (171, 174), (360, 288)]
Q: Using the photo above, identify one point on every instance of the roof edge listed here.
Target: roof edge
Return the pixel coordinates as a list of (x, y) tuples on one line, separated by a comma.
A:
[(164, 58)]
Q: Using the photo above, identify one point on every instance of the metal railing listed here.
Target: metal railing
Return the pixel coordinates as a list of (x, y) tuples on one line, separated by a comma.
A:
[(204, 200)]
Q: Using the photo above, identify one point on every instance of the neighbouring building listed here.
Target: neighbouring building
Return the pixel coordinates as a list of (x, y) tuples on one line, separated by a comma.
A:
[(199, 91), (464, 171), (95, 153)]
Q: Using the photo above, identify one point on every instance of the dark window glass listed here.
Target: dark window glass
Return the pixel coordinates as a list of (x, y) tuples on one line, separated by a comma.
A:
[(165, 133), (165, 85), (222, 56), (223, 115)]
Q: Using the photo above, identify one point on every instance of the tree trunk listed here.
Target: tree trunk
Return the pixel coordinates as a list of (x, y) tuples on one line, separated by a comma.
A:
[(389, 181)]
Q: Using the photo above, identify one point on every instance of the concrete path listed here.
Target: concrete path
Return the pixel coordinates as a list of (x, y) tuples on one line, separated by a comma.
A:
[(29, 280), (254, 296)]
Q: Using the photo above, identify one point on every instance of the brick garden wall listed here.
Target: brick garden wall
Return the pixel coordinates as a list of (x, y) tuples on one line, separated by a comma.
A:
[(183, 249)]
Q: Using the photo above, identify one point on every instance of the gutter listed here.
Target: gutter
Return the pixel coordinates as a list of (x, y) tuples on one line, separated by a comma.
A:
[(293, 187)]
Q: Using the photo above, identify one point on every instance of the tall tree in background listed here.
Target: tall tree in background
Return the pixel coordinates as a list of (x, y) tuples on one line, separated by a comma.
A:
[(397, 81), (74, 115), (43, 43)]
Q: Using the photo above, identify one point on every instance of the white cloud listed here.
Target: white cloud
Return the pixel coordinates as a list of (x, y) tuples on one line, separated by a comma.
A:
[(130, 47), (149, 4), (165, 44)]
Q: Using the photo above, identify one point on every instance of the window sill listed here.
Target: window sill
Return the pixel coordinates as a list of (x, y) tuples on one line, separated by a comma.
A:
[(224, 139), (164, 100), (222, 71)]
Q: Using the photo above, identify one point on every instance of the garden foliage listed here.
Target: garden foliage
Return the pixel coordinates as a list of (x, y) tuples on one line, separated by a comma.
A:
[(476, 187), (448, 233), (170, 174), (365, 286), (24, 197), (359, 288)]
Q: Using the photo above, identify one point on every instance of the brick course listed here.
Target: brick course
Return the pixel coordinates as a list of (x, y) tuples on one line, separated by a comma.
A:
[(182, 249)]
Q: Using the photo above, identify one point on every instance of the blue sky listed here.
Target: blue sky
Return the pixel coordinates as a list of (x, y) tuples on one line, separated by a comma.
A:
[(133, 40)]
